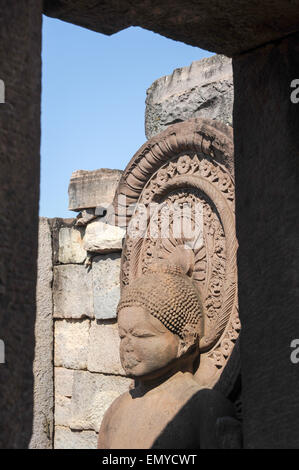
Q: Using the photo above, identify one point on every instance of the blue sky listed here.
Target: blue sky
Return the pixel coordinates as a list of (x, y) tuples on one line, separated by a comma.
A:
[(93, 100)]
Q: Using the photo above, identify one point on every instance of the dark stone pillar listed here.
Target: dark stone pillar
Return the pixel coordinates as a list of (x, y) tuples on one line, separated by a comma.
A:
[(266, 127), (20, 69)]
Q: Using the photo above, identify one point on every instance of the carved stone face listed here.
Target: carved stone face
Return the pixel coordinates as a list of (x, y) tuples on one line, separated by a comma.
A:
[(146, 344)]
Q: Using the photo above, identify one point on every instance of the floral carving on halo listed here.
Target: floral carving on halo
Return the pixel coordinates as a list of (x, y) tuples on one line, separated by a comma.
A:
[(211, 259)]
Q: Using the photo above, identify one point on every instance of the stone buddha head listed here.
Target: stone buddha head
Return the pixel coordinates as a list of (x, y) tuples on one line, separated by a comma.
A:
[(160, 320)]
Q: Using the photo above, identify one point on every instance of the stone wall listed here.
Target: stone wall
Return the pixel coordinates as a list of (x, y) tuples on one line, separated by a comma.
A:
[(20, 70), (87, 372), (204, 89), (43, 419), (76, 327), (267, 140)]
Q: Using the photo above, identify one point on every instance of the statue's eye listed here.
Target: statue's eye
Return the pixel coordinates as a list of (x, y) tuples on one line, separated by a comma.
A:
[(121, 334), (142, 333)]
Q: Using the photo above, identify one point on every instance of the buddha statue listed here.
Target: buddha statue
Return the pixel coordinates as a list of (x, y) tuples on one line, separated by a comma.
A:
[(161, 321)]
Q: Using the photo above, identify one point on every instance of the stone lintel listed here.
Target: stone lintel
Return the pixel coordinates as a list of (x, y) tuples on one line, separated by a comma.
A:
[(227, 27)]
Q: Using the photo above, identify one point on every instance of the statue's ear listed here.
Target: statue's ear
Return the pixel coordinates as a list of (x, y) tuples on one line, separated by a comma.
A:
[(189, 340), (183, 348), (183, 257)]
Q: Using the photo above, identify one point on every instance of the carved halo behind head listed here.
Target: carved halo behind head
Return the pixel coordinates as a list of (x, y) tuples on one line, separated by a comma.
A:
[(189, 164)]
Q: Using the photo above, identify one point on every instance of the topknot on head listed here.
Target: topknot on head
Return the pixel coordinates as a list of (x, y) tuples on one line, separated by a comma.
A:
[(166, 268), (179, 262), (167, 292)]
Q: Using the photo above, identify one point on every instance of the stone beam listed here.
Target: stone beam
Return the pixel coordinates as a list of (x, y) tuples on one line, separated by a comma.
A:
[(43, 409), (20, 70), (266, 123), (92, 189), (227, 27)]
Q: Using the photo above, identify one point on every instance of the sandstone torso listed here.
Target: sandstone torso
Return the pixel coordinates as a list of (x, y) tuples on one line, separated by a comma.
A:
[(169, 416)]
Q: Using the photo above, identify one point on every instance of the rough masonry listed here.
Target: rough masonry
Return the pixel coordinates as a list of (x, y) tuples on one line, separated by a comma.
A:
[(204, 89)]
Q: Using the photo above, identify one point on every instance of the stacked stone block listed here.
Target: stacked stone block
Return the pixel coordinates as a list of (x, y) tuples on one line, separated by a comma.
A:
[(87, 372)]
